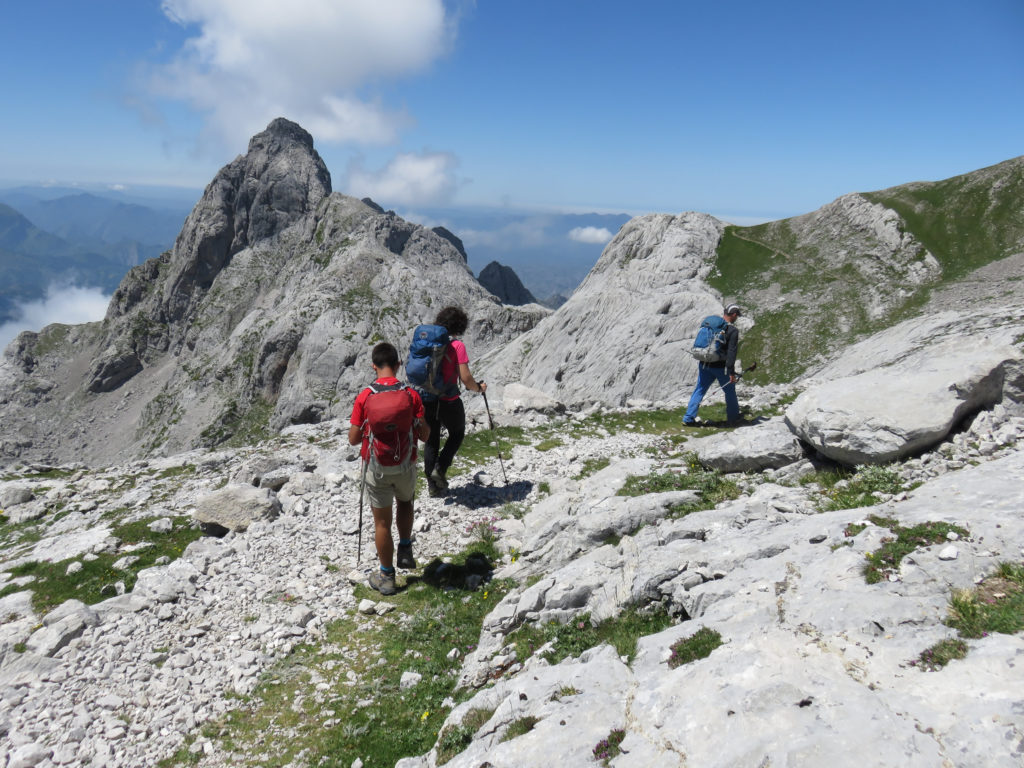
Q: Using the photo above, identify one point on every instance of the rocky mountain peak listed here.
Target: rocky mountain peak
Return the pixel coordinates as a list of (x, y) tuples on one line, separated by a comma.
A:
[(504, 283), (278, 181)]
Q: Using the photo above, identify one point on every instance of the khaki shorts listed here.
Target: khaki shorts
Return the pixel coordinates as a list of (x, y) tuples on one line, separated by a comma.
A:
[(383, 489)]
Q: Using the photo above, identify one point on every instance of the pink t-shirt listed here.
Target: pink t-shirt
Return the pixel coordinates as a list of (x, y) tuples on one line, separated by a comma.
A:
[(455, 357)]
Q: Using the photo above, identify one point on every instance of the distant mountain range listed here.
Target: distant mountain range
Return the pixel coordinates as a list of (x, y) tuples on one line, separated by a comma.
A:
[(92, 237), (67, 236)]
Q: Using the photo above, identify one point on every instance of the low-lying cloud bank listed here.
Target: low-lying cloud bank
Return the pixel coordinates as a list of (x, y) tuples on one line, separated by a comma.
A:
[(70, 304)]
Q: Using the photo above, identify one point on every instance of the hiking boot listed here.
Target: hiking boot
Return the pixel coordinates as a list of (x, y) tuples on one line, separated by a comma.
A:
[(405, 558), (694, 423), (432, 490), (439, 479), (383, 582)]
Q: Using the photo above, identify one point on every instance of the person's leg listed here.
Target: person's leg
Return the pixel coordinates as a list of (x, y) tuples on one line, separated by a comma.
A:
[(453, 415), (433, 444), (705, 376), (382, 536), (732, 403), (405, 488), (383, 579)]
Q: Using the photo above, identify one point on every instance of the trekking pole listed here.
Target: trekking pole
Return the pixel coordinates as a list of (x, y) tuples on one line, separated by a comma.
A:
[(719, 385), (362, 488), (491, 422)]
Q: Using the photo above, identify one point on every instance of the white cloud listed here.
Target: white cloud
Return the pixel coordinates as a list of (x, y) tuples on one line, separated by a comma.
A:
[(594, 235), (408, 179), (61, 304), (253, 60)]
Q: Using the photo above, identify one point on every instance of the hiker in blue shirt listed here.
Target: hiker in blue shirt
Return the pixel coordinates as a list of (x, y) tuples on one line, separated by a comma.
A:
[(723, 371)]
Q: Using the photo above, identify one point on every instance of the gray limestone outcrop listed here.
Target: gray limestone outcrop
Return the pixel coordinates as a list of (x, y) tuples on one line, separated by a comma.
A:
[(625, 332), (236, 507), (906, 388)]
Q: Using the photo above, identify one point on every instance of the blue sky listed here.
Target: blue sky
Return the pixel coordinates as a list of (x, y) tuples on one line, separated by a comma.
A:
[(747, 110)]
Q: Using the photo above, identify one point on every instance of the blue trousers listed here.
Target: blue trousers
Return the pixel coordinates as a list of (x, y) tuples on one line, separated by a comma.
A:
[(706, 376)]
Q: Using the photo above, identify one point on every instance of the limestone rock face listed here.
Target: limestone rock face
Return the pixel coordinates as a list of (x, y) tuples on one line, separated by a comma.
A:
[(626, 330), (504, 283)]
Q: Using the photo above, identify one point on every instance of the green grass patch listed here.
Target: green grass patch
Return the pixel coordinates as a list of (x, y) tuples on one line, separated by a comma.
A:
[(592, 467), (574, 637), (712, 486), (846, 489), (53, 585), (483, 446), (520, 727), (996, 605), (699, 645), (886, 560), (342, 700), (454, 740), (549, 444)]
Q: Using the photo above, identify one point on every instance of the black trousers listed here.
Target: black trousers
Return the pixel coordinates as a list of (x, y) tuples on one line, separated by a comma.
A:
[(452, 415)]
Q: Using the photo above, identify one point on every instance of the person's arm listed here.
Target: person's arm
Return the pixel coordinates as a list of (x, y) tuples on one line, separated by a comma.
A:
[(468, 381), (732, 347), (422, 430), (355, 434)]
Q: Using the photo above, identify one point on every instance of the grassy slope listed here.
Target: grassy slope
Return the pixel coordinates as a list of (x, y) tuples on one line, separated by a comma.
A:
[(965, 222)]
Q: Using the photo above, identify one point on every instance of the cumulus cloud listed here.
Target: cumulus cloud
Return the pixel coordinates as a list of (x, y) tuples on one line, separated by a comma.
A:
[(253, 60), (409, 179), (593, 235), (61, 304)]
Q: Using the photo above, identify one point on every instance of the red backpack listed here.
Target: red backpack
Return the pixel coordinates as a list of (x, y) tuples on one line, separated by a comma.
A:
[(388, 416)]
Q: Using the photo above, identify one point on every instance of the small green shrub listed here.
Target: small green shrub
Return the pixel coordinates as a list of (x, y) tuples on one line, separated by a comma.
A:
[(712, 487), (592, 467), (609, 747), (940, 654), (699, 645), (844, 490), (520, 727)]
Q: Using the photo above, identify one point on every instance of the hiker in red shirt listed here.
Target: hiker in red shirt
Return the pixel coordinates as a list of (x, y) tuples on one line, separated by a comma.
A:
[(387, 418)]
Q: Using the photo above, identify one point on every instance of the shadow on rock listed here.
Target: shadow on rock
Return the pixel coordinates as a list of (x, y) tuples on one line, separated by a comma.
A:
[(477, 496)]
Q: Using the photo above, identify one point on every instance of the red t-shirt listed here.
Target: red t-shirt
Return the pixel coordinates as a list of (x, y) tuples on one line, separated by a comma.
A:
[(359, 413), (453, 358)]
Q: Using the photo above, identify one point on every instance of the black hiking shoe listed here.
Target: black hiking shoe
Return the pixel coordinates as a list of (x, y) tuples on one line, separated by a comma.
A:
[(432, 490), (383, 582), (439, 479), (405, 558), (694, 423)]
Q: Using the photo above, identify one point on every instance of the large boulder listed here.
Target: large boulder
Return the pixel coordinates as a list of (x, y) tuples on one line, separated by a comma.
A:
[(769, 445), (236, 507), (891, 412)]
